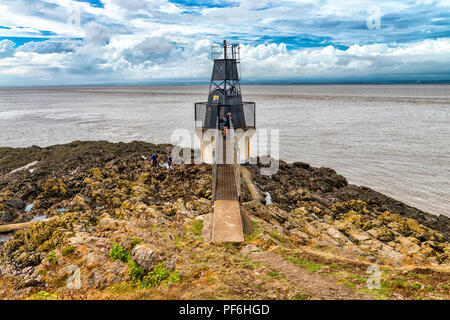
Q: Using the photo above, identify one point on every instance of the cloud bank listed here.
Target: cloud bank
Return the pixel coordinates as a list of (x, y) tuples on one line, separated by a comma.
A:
[(153, 41)]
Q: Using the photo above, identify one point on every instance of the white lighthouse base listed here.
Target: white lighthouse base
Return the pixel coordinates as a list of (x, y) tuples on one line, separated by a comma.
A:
[(207, 141)]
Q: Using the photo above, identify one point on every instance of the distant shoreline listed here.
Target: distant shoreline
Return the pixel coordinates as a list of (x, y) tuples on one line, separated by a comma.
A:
[(243, 82)]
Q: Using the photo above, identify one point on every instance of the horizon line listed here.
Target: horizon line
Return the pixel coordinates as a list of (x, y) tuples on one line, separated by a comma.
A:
[(206, 82)]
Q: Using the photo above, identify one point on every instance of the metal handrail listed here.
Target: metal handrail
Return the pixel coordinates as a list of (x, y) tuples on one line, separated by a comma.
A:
[(214, 164), (236, 159), (237, 167)]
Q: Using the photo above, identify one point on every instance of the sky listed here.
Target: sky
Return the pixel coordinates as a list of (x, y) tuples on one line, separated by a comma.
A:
[(66, 42)]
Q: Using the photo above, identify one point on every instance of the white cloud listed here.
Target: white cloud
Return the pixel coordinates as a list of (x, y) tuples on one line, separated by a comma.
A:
[(148, 40), (429, 56), (96, 34), (6, 48), (50, 46), (156, 58), (153, 50)]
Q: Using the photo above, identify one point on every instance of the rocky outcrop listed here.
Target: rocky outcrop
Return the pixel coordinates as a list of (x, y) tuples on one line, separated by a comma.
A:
[(145, 257), (97, 194)]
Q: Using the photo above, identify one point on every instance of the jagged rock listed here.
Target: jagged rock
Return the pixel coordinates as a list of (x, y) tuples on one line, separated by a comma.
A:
[(31, 283), (342, 226), (311, 230), (94, 259), (358, 236), (107, 223), (338, 236), (302, 165), (55, 187), (15, 204), (249, 248), (144, 256), (96, 280), (399, 227), (79, 203), (328, 219), (310, 207), (170, 265), (372, 246), (382, 234), (6, 217), (407, 246), (115, 272), (299, 238), (388, 253), (328, 240)]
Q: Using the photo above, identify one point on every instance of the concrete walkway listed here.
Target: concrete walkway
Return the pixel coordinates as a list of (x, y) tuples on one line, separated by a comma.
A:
[(227, 222)]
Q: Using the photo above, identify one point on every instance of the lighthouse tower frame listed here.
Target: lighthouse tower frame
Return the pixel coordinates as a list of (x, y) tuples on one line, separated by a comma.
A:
[(225, 97)]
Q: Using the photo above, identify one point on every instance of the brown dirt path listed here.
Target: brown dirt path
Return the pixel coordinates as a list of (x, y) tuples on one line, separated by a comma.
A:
[(312, 285)]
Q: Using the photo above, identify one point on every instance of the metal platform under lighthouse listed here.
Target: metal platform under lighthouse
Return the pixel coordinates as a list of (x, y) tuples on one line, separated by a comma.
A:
[(225, 153)]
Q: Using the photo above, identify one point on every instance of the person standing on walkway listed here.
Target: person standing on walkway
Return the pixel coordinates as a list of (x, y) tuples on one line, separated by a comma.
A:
[(226, 124)]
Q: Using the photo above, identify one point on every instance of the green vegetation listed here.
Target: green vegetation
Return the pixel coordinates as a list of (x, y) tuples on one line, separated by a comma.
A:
[(136, 272), (333, 265), (312, 267), (135, 242), (416, 286), (399, 283), (118, 253), (273, 273), (277, 236), (347, 283), (52, 258), (255, 234), (383, 293), (154, 278), (413, 285), (160, 275), (123, 287), (198, 227), (68, 250), (43, 295)]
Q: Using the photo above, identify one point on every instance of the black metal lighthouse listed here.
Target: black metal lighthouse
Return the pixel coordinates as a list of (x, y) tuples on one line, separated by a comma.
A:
[(225, 97)]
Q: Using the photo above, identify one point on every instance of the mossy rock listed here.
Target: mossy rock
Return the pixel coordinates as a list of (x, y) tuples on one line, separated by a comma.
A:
[(28, 245), (55, 187)]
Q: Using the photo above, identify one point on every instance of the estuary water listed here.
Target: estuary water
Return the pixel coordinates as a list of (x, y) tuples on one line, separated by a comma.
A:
[(392, 138)]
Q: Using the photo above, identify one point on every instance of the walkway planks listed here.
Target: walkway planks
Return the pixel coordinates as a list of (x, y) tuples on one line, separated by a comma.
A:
[(227, 221)]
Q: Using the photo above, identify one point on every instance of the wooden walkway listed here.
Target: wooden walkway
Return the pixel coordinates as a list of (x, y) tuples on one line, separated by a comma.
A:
[(227, 222)]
